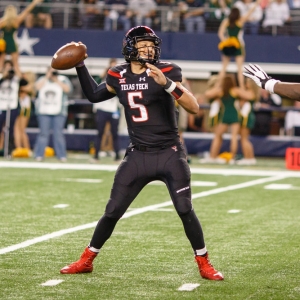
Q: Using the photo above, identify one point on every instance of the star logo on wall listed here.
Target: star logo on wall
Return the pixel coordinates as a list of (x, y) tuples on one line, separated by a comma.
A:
[(26, 43)]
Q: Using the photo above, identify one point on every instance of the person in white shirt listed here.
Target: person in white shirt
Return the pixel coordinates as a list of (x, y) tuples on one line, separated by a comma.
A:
[(277, 14), (51, 108), (143, 11), (292, 119), (253, 23)]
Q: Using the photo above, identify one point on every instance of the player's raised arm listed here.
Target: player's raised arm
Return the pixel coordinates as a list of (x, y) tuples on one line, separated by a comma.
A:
[(72, 55), (93, 91), (184, 97), (261, 78)]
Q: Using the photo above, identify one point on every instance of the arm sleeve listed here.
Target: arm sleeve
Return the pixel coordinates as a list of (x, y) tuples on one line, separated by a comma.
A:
[(94, 92)]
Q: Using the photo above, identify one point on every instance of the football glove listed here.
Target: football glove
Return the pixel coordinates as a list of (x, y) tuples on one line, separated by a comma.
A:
[(260, 77)]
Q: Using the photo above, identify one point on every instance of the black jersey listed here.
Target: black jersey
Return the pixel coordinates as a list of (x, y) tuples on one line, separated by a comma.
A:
[(149, 110)]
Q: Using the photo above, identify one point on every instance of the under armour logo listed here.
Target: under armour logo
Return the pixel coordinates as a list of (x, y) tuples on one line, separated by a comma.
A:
[(174, 148), (122, 80), (142, 78)]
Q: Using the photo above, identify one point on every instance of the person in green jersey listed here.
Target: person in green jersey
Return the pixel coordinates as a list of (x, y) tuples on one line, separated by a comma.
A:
[(9, 25), (231, 40)]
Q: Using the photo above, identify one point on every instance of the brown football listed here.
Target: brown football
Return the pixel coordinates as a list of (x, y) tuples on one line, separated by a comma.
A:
[(68, 56)]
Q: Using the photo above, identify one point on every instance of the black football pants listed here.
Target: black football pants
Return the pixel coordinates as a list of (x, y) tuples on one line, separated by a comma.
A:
[(137, 170)]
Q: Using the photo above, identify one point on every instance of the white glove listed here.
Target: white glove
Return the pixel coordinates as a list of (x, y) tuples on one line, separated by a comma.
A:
[(260, 77)]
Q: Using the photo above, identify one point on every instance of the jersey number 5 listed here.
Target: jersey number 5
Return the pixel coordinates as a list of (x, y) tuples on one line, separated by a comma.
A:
[(142, 108)]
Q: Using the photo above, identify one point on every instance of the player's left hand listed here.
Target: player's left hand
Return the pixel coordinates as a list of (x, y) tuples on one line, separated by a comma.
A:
[(156, 74), (256, 73), (260, 77)]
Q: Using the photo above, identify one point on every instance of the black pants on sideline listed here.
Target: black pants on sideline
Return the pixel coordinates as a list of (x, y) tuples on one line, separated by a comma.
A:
[(101, 118)]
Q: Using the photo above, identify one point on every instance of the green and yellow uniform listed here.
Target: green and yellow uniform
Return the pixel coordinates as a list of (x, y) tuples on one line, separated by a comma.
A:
[(247, 115), (229, 113), (8, 36)]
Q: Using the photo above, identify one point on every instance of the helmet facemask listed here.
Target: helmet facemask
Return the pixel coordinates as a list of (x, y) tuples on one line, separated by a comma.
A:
[(137, 34)]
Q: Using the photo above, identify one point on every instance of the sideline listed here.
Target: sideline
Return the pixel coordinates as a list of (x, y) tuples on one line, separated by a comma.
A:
[(138, 211), (200, 170)]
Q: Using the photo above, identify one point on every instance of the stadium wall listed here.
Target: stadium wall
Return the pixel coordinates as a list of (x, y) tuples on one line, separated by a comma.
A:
[(196, 143), (197, 54)]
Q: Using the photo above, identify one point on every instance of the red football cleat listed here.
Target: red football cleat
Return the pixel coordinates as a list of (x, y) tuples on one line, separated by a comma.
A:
[(206, 269), (83, 265)]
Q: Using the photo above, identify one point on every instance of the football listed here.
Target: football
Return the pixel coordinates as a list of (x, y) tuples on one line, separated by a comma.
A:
[(68, 56)]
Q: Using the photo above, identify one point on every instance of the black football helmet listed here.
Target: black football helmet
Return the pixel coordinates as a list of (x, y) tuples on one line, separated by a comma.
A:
[(136, 34)]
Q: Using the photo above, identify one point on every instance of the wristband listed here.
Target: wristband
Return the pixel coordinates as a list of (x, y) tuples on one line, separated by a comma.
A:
[(172, 88), (81, 64), (269, 85)]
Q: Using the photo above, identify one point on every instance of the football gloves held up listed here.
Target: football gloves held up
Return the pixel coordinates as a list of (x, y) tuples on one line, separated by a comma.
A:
[(260, 77)]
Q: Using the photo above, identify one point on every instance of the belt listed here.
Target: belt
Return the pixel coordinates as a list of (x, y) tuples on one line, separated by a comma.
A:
[(148, 149)]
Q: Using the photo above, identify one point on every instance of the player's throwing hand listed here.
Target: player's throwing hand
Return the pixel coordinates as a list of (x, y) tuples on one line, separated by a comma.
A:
[(260, 77), (156, 74)]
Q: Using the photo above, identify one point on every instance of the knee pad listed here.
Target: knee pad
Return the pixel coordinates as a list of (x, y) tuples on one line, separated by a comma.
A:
[(114, 211), (183, 205)]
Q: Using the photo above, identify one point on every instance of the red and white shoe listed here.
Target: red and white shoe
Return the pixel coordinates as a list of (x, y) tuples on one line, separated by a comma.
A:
[(206, 269), (83, 265)]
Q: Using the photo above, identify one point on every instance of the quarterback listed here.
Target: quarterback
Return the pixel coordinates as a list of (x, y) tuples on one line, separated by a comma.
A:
[(147, 88)]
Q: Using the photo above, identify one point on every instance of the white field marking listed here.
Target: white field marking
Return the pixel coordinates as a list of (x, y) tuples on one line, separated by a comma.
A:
[(60, 205), (193, 183), (203, 183), (85, 180), (56, 166), (188, 286), (275, 186), (156, 209), (238, 186), (204, 171), (52, 282), (233, 211), (138, 211)]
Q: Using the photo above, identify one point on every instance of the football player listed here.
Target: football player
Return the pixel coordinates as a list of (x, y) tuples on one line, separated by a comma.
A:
[(284, 89), (147, 88)]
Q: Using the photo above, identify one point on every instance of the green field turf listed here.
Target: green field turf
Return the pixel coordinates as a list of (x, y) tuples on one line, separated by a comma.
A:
[(250, 217)]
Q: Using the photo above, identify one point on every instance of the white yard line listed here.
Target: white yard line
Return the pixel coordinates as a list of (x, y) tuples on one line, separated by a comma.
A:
[(138, 211), (52, 282), (188, 287)]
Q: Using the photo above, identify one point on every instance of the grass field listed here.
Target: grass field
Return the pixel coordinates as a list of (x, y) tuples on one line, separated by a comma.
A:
[(250, 217)]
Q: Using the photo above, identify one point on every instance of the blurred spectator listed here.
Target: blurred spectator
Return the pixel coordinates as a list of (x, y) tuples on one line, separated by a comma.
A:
[(277, 18), (293, 4), (196, 122), (292, 120), (10, 83), (143, 11), (219, 9), (90, 14), (72, 16), (252, 24), (40, 16), (107, 112), (9, 25), (193, 15), (263, 114), (168, 16), (51, 108), (117, 15), (26, 95)]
